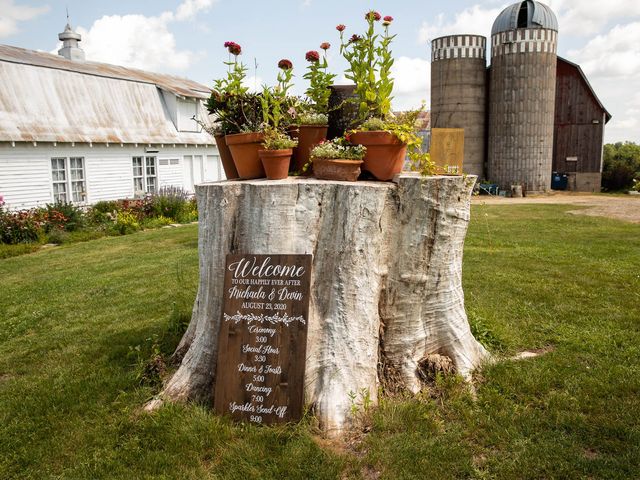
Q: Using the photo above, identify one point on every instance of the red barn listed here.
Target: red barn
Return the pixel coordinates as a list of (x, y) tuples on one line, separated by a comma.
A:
[(579, 129)]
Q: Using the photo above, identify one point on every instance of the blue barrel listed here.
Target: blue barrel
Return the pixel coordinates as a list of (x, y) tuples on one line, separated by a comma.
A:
[(559, 181)]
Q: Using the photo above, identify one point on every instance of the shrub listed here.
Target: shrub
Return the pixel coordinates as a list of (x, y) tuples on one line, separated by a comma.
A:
[(58, 236), (170, 202), (21, 227), (157, 222), (64, 215), (621, 165), (126, 222)]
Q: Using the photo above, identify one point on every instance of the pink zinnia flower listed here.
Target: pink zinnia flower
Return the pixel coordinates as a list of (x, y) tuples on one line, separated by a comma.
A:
[(233, 47), (285, 64), (387, 20), (325, 45), (340, 27), (373, 15), (312, 56)]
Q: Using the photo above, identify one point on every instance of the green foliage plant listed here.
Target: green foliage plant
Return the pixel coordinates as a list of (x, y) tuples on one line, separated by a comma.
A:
[(370, 60), (126, 223), (338, 148), (319, 80), (234, 108), (278, 108), (275, 139), (312, 118), (404, 127), (65, 215), (621, 166)]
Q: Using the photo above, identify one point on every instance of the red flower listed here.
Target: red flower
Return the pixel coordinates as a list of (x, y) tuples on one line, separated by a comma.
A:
[(340, 27), (387, 20), (373, 15), (312, 56), (325, 45), (285, 64), (233, 47), (355, 38)]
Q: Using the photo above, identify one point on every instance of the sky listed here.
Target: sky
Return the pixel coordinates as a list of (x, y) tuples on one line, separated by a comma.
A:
[(186, 37)]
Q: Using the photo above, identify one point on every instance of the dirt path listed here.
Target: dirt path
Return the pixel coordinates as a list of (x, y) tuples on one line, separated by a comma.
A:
[(621, 207)]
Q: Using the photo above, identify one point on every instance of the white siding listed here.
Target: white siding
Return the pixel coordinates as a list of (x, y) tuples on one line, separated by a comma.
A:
[(187, 109), (25, 170), (170, 172), (25, 178), (213, 170), (109, 175)]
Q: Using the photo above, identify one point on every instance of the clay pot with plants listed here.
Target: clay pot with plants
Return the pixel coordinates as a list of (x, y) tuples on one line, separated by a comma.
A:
[(337, 159), (311, 131), (238, 114), (370, 61), (230, 170), (386, 153), (275, 153)]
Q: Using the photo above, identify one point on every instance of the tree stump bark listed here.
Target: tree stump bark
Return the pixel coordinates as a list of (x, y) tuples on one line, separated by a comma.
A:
[(386, 286)]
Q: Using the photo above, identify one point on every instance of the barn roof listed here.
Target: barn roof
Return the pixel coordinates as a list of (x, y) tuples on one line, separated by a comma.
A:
[(584, 78), (45, 97), (527, 14)]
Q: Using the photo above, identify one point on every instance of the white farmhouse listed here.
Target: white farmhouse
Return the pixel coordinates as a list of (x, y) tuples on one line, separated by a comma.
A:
[(81, 132)]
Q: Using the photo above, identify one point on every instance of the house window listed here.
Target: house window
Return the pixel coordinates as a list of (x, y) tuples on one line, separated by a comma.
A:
[(145, 177), (68, 179)]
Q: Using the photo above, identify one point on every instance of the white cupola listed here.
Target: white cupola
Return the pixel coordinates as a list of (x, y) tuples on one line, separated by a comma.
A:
[(70, 48)]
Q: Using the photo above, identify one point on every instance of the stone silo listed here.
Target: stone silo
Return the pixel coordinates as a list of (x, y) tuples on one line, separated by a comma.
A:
[(522, 96), (458, 93)]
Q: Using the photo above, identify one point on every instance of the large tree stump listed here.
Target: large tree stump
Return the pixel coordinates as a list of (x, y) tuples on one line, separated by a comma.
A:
[(386, 285)]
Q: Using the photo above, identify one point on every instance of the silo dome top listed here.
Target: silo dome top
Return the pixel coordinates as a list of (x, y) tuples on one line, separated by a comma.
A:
[(527, 14)]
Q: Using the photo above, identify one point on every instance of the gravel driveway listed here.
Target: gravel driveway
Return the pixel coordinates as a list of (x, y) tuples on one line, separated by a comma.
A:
[(622, 207)]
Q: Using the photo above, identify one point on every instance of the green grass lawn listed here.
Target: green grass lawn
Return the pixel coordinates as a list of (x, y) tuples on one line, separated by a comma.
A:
[(77, 323)]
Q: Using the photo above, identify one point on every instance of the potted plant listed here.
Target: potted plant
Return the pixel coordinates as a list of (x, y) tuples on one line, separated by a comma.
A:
[(337, 159), (370, 61), (239, 117), (312, 122), (405, 143), (276, 153)]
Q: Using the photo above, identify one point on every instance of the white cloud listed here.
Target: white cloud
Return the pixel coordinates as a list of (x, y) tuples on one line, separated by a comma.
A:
[(613, 54), (11, 14), (253, 83), (412, 82), (587, 17), (134, 41), (190, 8), (142, 42), (473, 20)]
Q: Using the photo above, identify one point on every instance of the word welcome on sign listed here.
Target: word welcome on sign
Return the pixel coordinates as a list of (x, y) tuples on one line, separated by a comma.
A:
[(263, 338)]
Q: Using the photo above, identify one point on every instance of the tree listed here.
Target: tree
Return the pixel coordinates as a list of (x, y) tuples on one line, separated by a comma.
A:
[(621, 165)]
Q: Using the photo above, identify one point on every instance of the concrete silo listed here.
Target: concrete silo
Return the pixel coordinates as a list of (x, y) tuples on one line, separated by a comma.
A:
[(522, 96), (458, 93)]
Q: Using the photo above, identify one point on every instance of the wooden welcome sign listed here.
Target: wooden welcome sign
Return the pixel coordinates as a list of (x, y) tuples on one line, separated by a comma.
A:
[(263, 338)]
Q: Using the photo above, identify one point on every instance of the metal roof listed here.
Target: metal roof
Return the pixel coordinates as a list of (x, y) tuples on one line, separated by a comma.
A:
[(538, 15), (48, 98), (177, 85)]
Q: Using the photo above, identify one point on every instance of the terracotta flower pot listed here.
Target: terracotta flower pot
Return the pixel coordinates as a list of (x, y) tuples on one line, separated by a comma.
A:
[(244, 150), (230, 170), (276, 163), (308, 137), (336, 169), (385, 155)]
